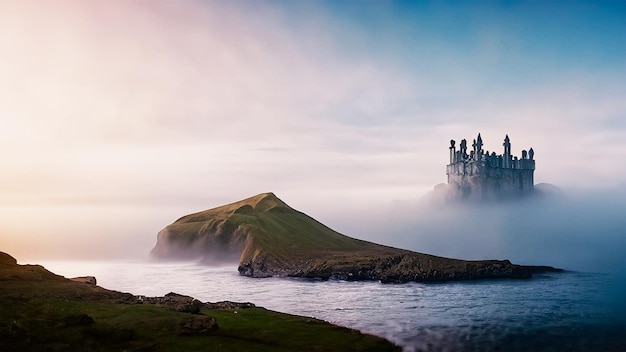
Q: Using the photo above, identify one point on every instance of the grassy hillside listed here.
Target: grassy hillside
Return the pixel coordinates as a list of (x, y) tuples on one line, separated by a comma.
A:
[(268, 238), (262, 222), (41, 311)]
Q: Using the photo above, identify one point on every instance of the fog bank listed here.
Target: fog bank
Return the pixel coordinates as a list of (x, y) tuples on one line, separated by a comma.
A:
[(581, 231)]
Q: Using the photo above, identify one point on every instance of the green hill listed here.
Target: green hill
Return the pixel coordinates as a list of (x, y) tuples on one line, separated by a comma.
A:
[(269, 238)]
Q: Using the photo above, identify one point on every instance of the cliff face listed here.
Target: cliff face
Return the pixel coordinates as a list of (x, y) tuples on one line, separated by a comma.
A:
[(269, 238), (217, 235), (262, 225)]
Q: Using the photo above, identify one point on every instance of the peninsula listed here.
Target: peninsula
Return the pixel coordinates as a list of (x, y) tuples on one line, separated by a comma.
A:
[(266, 238)]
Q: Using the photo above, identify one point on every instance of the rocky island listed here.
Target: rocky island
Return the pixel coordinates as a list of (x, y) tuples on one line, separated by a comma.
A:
[(266, 237), (42, 311)]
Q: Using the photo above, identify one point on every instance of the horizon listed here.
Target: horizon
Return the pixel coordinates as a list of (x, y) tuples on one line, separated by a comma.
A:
[(118, 118)]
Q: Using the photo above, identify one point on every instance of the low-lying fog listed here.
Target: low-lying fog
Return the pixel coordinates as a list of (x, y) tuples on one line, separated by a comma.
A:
[(582, 231), (575, 231)]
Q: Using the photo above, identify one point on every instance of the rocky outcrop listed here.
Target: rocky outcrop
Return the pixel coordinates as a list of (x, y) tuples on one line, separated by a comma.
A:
[(397, 269), (85, 279), (174, 301), (197, 325), (187, 304), (228, 305), (193, 325), (269, 238)]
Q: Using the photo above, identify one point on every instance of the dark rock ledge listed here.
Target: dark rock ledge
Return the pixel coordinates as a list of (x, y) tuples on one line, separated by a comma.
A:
[(187, 304), (197, 324), (395, 269)]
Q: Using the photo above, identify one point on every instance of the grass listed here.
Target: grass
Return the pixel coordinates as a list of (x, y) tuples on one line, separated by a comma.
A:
[(275, 228), (42, 325), (41, 311), (288, 332)]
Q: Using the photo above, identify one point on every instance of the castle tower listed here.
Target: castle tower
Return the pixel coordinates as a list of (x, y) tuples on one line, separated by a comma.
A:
[(506, 157), (479, 147), (453, 151)]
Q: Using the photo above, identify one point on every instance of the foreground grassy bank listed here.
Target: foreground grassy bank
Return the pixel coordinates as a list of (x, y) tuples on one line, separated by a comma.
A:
[(41, 311)]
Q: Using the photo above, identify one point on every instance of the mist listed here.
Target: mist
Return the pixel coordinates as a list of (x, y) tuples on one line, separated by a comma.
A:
[(572, 230)]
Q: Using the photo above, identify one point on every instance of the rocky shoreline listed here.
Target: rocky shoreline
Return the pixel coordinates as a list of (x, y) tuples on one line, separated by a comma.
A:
[(396, 269), (42, 311), (187, 304)]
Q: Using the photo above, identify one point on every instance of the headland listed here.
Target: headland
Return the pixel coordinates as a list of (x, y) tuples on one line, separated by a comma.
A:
[(266, 237)]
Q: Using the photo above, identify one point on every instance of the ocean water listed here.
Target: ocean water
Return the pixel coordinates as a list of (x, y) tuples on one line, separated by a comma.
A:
[(569, 311)]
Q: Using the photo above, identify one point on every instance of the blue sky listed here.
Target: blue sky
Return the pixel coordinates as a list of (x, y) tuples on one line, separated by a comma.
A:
[(158, 108), (493, 38)]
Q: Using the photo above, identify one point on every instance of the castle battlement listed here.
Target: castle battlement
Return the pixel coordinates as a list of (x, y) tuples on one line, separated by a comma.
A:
[(484, 175)]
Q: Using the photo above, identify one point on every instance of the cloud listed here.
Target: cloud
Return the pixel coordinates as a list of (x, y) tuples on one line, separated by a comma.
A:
[(114, 94)]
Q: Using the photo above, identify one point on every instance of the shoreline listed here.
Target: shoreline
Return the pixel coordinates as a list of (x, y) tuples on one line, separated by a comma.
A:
[(45, 311)]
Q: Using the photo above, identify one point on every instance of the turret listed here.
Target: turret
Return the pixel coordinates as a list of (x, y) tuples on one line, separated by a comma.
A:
[(473, 154), (479, 147), (506, 157), (463, 148), (453, 152)]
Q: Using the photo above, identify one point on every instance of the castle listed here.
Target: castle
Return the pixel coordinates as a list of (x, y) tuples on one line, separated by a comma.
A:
[(480, 175)]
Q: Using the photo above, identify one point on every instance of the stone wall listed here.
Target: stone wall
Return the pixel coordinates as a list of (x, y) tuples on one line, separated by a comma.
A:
[(478, 182)]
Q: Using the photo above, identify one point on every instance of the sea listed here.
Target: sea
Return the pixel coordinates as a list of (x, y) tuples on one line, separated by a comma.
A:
[(566, 311)]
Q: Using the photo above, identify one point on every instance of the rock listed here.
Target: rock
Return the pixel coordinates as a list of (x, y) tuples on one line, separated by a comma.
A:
[(228, 305), (193, 325), (184, 304), (86, 279), (174, 301), (198, 325)]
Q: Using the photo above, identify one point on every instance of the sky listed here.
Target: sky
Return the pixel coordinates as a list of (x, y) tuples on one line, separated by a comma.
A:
[(118, 117)]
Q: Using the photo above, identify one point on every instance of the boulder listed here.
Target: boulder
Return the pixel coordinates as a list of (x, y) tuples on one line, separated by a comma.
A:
[(174, 301), (197, 325), (86, 279), (228, 305)]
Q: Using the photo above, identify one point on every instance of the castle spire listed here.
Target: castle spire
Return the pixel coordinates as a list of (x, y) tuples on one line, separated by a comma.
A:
[(506, 157), (479, 147), (452, 152), (474, 146)]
